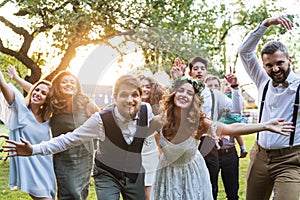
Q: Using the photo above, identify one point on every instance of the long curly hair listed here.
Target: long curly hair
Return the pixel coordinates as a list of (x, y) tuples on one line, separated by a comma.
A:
[(44, 111), (194, 118), (58, 102), (157, 92)]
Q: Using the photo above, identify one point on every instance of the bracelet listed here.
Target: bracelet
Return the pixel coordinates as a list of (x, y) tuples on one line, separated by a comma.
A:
[(234, 86)]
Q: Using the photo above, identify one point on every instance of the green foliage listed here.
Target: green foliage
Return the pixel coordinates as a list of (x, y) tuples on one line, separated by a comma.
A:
[(163, 29)]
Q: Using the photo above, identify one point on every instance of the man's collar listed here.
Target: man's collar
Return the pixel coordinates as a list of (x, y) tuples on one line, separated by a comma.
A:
[(120, 117)]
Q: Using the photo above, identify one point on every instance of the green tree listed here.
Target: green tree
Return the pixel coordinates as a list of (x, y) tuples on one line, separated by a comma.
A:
[(163, 29)]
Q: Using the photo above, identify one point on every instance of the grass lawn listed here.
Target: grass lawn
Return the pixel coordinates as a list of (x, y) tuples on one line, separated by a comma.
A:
[(7, 194)]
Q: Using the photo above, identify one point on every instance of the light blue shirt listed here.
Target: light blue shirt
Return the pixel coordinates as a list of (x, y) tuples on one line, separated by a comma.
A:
[(279, 101)]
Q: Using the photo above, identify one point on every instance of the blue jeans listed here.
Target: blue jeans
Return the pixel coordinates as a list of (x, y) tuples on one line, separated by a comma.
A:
[(229, 167), (73, 169), (108, 187)]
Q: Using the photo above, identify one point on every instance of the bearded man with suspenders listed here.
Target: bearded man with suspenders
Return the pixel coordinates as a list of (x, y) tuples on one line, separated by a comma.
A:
[(275, 159)]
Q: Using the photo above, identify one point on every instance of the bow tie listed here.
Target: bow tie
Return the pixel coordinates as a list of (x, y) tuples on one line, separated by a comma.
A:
[(285, 84)]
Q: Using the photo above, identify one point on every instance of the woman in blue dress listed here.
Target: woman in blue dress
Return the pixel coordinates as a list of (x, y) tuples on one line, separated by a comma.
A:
[(29, 118), (71, 108)]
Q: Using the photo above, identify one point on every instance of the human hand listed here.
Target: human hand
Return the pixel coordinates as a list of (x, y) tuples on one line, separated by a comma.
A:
[(279, 126), (178, 68), (281, 20), (20, 149), (243, 152), (230, 78), (11, 72)]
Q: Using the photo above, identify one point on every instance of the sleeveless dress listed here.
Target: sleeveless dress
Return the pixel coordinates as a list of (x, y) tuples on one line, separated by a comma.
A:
[(182, 173), (34, 174), (150, 158), (73, 167)]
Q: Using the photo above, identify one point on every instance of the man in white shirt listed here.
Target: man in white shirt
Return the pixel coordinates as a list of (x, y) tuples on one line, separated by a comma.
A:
[(275, 163)]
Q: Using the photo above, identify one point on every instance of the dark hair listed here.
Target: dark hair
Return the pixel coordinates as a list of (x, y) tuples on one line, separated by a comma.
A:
[(196, 59), (273, 46), (127, 80), (44, 112), (156, 93), (58, 101)]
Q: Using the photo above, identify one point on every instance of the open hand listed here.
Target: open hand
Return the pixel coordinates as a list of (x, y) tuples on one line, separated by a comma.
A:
[(11, 71), (19, 149), (279, 126), (178, 68)]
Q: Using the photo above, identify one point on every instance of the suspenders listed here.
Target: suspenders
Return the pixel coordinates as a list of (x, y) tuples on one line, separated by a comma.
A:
[(295, 111), (212, 104)]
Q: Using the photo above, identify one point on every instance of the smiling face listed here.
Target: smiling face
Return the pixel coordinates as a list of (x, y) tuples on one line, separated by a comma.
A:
[(39, 94), (67, 86), (128, 100), (184, 96), (277, 66), (198, 71), (146, 88)]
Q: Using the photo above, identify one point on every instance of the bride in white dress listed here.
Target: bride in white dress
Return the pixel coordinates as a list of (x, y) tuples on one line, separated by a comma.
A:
[(182, 173)]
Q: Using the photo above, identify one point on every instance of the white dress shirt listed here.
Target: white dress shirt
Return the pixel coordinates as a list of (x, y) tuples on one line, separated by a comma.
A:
[(222, 103), (279, 101), (92, 129)]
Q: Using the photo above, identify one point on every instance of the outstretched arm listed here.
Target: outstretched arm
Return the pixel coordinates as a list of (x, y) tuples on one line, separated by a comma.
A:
[(11, 72), (91, 129), (7, 91), (278, 126)]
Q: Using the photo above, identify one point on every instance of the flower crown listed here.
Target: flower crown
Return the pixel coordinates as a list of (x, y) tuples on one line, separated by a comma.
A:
[(197, 84)]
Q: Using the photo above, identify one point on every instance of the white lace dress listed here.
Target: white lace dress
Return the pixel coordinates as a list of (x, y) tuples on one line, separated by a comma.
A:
[(182, 173)]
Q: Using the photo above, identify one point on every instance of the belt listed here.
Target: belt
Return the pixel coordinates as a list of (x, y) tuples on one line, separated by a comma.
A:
[(228, 150), (282, 151)]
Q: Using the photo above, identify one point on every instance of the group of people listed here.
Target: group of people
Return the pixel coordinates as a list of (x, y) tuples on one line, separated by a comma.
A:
[(182, 123)]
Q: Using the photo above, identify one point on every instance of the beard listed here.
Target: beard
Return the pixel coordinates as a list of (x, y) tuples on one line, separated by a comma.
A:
[(282, 78)]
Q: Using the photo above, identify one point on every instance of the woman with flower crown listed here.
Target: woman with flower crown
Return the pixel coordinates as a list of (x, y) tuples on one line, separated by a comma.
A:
[(182, 173)]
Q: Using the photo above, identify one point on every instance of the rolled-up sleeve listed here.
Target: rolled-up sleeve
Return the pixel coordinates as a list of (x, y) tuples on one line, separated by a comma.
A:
[(92, 129)]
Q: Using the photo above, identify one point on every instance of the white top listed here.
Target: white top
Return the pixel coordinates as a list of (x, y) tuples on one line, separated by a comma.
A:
[(92, 129), (279, 101), (222, 103)]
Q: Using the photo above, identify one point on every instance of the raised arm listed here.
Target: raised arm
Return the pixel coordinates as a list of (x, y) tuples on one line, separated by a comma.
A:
[(178, 69), (281, 20), (7, 91), (236, 93), (11, 72), (246, 50)]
